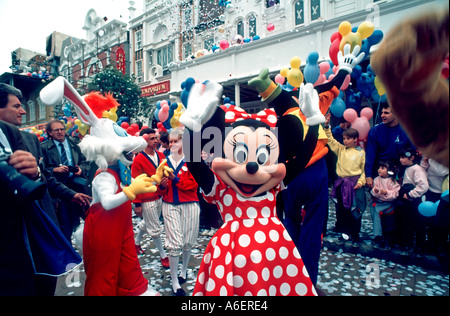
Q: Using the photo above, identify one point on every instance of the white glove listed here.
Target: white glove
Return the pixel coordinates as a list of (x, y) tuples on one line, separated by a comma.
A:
[(202, 104), (348, 61), (309, 105)]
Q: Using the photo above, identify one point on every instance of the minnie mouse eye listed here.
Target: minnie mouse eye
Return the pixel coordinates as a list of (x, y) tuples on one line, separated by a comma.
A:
[(240, 153), (262, 155)]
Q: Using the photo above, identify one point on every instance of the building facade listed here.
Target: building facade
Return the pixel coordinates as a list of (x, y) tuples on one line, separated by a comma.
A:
[(106, 45), (174, 40)]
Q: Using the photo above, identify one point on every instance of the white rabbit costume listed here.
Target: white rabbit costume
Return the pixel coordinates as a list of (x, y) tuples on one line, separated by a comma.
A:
[(110, 258)]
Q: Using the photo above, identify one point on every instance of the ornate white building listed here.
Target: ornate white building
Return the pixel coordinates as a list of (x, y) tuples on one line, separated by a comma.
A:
[(106, 45), (173, 40)]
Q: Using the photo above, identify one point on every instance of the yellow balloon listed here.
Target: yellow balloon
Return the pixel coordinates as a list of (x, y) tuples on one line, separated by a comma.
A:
[(294, 75), (380, 86), (83, 128), (34, 129), (77, 122), (296, 62)]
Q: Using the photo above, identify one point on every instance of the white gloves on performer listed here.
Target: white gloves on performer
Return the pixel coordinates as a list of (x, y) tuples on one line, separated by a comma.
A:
[(202, 104)]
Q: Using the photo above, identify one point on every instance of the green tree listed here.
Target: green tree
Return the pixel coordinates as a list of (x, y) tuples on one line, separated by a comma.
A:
[(124, 90)]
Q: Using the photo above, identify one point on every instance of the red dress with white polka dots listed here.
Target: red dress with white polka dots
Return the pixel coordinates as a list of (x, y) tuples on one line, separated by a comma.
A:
[(252, 253)]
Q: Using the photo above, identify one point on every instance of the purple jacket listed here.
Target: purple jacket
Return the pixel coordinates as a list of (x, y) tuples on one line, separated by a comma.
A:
[(347, 185)]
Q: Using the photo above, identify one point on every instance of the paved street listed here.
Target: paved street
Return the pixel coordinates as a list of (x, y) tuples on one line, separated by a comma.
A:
[(344, 270)]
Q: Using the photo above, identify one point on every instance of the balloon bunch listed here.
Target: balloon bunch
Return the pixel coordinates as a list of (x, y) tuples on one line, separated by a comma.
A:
[(369, 84), (355, 36), (168, 114), (40, 134)]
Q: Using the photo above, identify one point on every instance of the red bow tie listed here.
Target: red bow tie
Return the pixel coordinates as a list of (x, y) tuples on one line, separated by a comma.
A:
[(234, 114)]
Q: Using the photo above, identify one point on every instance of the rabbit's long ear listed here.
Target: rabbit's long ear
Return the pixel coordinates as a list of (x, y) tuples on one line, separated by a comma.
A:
[(54, 92)]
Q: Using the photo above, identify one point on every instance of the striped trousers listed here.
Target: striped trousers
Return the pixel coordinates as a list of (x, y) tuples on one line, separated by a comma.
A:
[(181, 225), (151, 211)]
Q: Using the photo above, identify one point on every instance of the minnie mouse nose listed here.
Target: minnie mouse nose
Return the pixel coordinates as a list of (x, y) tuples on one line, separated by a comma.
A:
[(252, 167)]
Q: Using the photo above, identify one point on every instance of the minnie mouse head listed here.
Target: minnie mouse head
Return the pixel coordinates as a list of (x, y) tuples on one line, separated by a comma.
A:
[(251, 151), (249, 164)]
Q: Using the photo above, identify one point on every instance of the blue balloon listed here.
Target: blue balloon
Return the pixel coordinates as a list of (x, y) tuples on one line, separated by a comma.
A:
[(357, 72), (428, 209), (167, 125), (377, 98), (312, 69), (155, 115), (353, 100), (374, 39), (338, 107), (186, 86), (366, 84)]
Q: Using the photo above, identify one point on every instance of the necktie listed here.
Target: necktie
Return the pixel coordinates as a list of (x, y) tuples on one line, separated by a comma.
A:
[(64, 159)]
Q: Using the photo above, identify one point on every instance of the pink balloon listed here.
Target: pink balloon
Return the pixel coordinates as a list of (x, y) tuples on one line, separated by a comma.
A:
[(279, 79), (367, 113), (324, 67), (270, 27), (163, 116), (350, 115), (224, 44), (346, 83), (165, 108), (361, 124)]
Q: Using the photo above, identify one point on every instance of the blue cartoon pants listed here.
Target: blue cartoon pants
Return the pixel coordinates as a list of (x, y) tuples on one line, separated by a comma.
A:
[(308, 191)]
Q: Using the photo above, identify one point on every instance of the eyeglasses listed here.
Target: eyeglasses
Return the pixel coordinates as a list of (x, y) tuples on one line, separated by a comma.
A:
[(59, 130)]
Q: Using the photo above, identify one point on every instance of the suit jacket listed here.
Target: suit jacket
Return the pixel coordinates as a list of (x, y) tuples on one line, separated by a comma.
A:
[(55, 188), (16, 269), (52, 158)]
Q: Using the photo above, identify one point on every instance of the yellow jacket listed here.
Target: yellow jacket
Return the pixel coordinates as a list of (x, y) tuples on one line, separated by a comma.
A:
[(350, 161)]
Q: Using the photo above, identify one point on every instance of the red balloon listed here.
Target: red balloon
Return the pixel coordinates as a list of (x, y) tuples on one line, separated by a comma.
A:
[(135, 126), (125, 125), (334, 48), (130, 130), (161, 127)]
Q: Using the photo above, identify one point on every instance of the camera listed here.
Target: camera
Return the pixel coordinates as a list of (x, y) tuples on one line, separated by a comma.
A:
[(16, 183), (73, 169)]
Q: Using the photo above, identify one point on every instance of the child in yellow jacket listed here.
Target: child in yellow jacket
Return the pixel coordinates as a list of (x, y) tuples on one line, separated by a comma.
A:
[(348, 188)]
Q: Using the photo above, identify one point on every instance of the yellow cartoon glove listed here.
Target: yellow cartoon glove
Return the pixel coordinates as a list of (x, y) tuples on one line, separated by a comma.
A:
[(142, 184), (162, 171)]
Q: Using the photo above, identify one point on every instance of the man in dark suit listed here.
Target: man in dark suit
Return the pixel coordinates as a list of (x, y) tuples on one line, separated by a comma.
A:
[(11, 111), (17, 276), (63, 159)]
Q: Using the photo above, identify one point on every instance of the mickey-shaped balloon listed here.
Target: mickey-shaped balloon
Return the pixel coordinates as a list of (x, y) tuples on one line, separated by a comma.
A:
[(293, 75), (312, 69), (365, 30), (361, 124)]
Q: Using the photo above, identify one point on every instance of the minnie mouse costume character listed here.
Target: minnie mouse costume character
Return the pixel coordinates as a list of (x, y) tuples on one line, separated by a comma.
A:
[(110, 258), (252, 253)]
